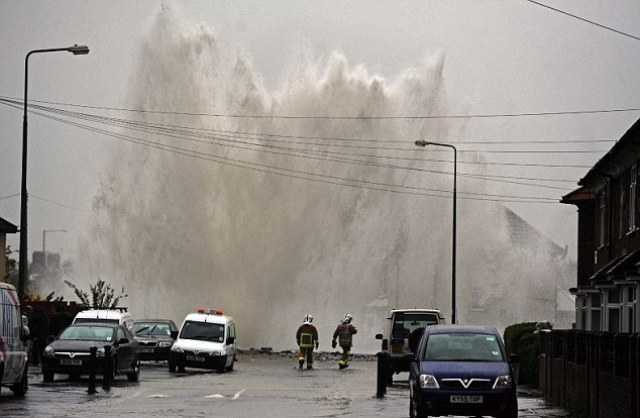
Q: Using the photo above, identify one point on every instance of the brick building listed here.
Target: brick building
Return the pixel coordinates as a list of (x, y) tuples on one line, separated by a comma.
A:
[(608, 203)]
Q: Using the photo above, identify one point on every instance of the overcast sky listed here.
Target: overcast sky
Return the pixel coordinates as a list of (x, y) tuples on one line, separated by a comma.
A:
[(500, 57)]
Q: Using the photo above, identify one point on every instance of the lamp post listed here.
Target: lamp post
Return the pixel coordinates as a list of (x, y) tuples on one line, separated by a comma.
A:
[(422, 143), (22, 263)]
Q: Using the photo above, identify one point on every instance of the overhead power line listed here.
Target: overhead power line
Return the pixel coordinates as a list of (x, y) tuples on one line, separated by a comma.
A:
[(591, 22), (303, 175), (359, 117), (196, 135)]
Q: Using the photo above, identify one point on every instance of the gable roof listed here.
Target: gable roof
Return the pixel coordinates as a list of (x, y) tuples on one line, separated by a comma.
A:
[(7, 227), (630, 140)]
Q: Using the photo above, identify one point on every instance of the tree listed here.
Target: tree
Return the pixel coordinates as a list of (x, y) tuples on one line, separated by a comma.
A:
[(100, 296), (10, 267)]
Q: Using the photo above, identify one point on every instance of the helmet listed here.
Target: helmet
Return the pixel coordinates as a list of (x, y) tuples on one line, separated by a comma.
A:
[(308, 318), (347, 318)]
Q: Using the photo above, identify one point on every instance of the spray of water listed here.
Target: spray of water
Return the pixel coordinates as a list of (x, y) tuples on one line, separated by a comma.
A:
[(182, 231)]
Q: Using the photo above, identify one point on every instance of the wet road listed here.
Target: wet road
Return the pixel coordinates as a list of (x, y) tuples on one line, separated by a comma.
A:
[(260, 386)]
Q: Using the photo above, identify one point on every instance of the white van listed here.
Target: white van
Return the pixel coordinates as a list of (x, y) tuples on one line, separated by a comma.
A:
[(13, 352), (113, 316), (207, 340)]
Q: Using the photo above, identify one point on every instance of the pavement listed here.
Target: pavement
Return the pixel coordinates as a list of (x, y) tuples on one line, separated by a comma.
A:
[(532, 403)]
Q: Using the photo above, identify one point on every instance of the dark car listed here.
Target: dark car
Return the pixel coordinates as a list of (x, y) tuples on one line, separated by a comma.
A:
[(69, 352), (462, 370), (155, 338)]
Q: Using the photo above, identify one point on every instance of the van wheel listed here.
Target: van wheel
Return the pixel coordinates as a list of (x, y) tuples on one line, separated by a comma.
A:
[(230, 368), (222, 367), (20, 388)]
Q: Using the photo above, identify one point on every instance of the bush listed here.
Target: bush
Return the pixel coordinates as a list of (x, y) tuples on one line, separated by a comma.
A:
[(520, 339), (513, 333)]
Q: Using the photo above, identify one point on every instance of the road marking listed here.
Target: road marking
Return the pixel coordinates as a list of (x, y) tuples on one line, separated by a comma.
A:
[(158, 395), (218, 396)]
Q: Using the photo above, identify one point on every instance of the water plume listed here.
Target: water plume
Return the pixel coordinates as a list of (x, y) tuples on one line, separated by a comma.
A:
[(268, 235)]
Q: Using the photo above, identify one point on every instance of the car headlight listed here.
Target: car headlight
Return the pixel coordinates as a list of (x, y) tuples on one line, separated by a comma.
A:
[(215, 353), (177, 349), (428, 381), (100, 352), (165, 344), (49, 351), (503, 382)]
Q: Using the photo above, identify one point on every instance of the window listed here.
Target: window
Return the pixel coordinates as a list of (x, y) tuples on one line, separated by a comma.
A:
[(613, 310), (632, 198), (581, 312), (621, 187), (602, 220), (595, 312), (629, 309)]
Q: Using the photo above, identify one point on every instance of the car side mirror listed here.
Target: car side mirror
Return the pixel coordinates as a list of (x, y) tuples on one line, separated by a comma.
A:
[(378, 336), (231, 340), (174, 334), (514, 358)]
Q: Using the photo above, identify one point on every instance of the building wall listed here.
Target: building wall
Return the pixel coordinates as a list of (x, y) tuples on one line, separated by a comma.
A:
[(3, 245)]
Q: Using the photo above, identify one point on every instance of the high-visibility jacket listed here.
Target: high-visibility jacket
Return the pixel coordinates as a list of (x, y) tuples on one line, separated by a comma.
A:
[(344, 333), (307, 335)]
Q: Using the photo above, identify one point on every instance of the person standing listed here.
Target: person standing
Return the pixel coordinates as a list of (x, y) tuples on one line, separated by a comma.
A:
[(39, 327), (344, 334), (307, 339)]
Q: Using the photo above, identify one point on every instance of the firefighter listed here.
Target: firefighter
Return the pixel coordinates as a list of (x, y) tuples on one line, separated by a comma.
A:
[(307, 339), (344, 334)]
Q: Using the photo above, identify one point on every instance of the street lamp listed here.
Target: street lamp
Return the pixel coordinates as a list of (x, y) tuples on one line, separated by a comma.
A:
[(22, 266), (422, 143)]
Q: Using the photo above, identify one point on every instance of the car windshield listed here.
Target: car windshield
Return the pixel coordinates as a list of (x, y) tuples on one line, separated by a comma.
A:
[(405, 323), (463, 347), (89, 333), (205, 331), (151, 328)]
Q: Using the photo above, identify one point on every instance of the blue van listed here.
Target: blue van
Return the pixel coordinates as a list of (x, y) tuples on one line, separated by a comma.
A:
[(462, 370)]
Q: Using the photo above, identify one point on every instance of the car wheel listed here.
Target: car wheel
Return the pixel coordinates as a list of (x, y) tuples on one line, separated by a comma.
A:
[(512, 412), (416, 408), (20, 388), (135, 374), (47, 376)]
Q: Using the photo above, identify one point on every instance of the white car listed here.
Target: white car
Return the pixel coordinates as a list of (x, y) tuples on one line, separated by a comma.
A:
[(112, 316), (13, 355), (206, 340), (403, 327)]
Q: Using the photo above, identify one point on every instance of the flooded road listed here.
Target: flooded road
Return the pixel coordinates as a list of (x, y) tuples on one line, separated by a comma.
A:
[(260, 386)]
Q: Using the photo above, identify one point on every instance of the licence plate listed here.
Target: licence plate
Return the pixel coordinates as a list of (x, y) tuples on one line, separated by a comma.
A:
[(145, 350), (397, 348), (465, 399), (71, 362), (195, 358)]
